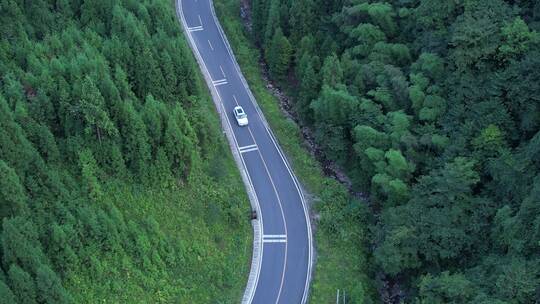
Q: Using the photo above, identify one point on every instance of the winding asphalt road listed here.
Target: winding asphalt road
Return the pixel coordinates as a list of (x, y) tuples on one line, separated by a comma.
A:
[(281, 267)]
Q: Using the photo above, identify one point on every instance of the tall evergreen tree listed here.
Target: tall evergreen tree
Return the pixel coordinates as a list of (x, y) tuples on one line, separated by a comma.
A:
[(20, 244), (273, 22), (50, 287), (13, 199), (22, 285), (136, 147), (6, 295), (92, 108), (279, 55)]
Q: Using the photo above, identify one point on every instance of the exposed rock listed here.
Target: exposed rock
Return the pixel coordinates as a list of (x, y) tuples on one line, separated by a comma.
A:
[(245, 14)]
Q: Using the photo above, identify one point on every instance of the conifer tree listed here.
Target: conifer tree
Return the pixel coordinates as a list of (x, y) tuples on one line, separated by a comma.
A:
[(309, 89), (179, 147), (331, 72), (89, 168), (273, 22), (259, 11), (92, 108), (135, 140), (13, 199), (20, 244), (50, 287), (22, 285), (6, 295), (278, 55)]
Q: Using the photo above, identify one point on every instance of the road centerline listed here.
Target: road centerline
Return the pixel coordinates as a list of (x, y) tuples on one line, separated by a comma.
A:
[(280, 208), (222, 72), (203, 54)]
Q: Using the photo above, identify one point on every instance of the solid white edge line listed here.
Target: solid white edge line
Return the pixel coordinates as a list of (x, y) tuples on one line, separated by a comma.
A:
[(258, 248), (295, 180)]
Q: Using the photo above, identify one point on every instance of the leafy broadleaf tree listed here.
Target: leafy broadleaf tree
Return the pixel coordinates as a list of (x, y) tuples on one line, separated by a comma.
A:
[(440, 223), (446, 288)]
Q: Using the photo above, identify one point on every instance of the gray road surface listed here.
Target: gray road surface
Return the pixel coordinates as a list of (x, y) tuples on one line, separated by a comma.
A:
[(282, 271)]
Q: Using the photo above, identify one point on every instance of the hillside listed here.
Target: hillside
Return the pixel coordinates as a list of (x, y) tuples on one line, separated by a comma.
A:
[(116, 183), (432, 109)]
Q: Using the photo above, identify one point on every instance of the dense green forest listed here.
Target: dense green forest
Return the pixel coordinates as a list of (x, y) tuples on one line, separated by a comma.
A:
[(433, 109), (116, 185)]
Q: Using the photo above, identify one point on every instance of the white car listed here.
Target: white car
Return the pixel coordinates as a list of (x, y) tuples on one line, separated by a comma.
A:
[(241, 116)]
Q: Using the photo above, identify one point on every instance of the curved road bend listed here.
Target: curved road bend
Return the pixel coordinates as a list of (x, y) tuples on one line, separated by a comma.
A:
[(282, 274)]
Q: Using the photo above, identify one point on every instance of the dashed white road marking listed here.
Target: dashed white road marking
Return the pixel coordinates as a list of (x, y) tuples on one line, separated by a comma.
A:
[(200, 20), (195, 29), (219, 82), (247, 147), (275, 238), (222, 72), (249, 150), (210, 44)]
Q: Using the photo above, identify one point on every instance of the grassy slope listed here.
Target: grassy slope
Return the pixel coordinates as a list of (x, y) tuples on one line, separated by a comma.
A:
[(341, 262), (197, 220)]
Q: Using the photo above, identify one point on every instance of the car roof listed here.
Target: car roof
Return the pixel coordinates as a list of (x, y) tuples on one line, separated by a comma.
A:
[(238, 109)]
